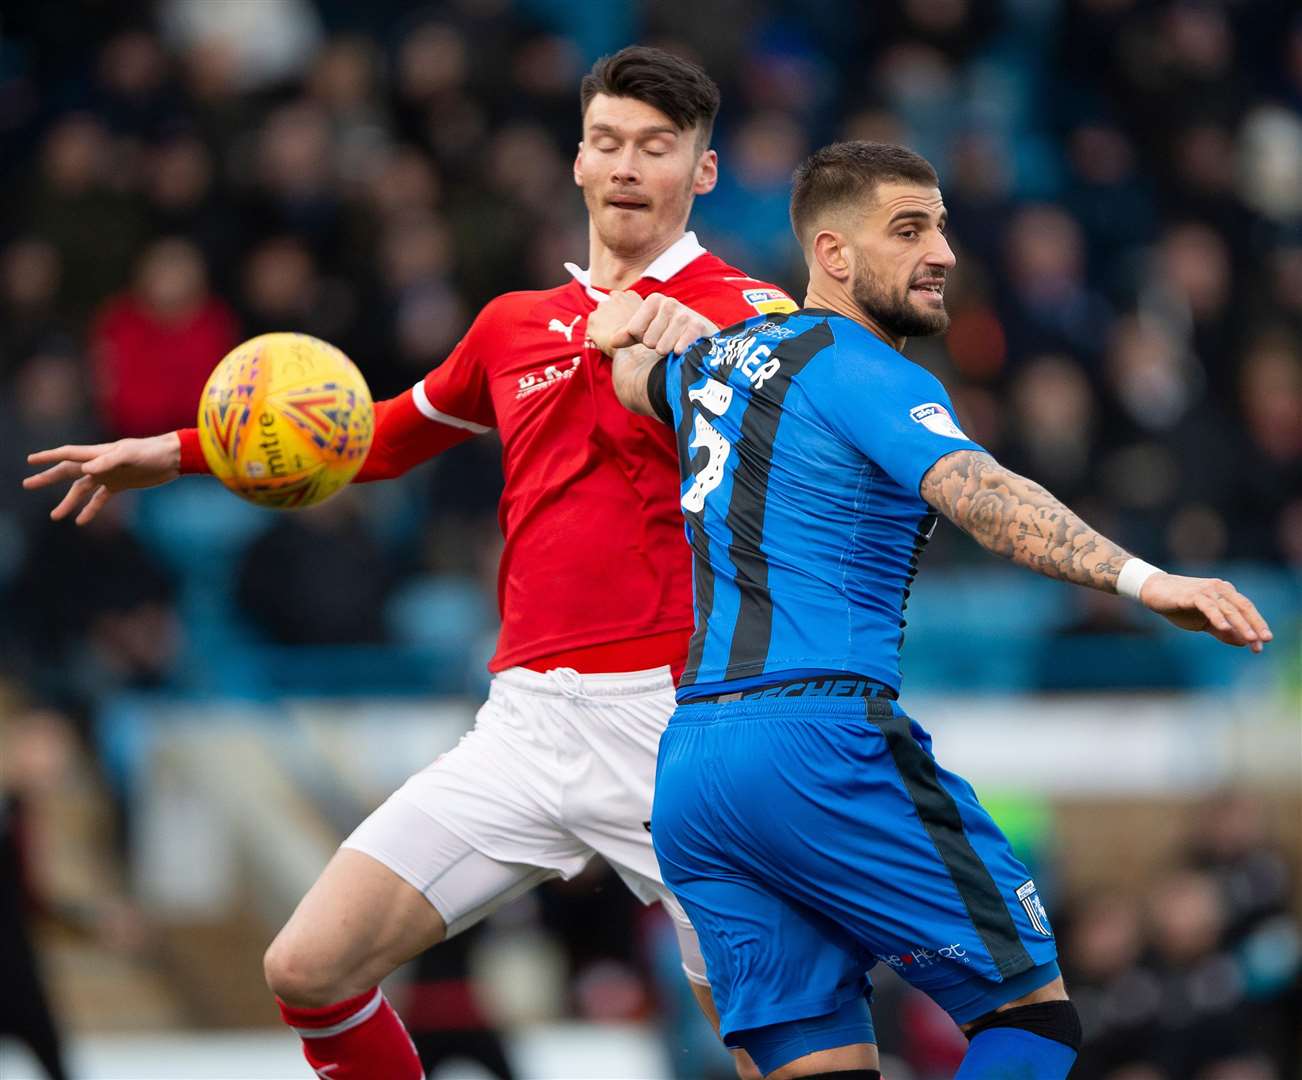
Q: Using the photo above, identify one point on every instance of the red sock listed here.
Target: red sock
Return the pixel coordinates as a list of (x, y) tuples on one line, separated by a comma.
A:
[(360, 1038)]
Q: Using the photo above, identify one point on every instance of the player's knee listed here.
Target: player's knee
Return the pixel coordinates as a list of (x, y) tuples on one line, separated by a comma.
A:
[(300, 976)]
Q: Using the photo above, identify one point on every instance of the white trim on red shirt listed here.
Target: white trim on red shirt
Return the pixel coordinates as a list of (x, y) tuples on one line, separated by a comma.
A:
[(427, 410), (670, 261)]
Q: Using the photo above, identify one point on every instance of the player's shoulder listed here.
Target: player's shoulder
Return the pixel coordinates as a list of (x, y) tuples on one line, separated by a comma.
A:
[(708, 276), (860, 351)]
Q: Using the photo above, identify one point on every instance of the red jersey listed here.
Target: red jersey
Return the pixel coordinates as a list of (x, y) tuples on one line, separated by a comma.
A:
[(593, 537)]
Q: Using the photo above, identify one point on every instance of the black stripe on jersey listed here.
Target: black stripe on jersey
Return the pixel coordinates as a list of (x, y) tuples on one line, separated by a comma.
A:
[(926, 527), (940, 817), (750, 488), (702, 571)]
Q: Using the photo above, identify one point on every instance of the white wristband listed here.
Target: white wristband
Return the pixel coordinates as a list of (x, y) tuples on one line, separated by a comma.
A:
[(1133, 575)]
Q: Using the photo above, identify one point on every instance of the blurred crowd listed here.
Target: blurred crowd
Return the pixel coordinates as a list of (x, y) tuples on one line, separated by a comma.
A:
[(1200, 976), (1124, 183), (1123, 179)]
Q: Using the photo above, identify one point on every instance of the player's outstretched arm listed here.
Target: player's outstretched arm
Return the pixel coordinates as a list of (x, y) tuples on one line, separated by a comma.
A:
[(99, 472), (1018, 519)]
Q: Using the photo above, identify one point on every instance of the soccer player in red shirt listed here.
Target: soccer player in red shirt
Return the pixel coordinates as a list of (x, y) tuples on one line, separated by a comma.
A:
[(594, 584)]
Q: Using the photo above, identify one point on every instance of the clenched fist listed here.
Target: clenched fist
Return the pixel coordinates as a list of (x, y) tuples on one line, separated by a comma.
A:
[(659, 322)]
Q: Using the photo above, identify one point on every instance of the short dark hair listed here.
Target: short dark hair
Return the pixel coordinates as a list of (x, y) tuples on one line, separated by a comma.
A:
[(677, 87), (849, 172)]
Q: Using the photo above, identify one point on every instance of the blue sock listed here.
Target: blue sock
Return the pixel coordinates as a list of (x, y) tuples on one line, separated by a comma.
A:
[(1006, 1053)]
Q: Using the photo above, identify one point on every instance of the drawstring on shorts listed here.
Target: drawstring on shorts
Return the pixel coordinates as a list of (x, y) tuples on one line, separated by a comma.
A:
[(568, 681)]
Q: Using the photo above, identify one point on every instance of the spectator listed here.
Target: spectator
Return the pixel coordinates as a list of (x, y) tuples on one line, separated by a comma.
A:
[(46, 405), (184, 200), (1050, 306), (284, 290), (1054, 417), (1269, 490), (155, 346), (72, 200), (93, 611), (1102, 944), (30, 279)]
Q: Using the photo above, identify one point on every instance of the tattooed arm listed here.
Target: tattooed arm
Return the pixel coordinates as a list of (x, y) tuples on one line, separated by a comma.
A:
[(1018, 519), (633, 375)]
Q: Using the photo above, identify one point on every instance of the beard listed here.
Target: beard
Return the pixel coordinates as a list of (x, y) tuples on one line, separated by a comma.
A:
[(896, 314)]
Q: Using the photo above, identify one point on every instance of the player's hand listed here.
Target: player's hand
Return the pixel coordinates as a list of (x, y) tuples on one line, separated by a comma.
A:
[(1207, 604), (607, 327), (668, 325), (99, 472)]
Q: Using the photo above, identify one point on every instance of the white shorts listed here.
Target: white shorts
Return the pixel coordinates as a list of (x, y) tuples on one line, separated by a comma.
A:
[(557, 768)]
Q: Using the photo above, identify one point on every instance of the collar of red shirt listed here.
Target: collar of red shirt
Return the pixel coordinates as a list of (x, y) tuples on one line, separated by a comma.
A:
[(681, 252)]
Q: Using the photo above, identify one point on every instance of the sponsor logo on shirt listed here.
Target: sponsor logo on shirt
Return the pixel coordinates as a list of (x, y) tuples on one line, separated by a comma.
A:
[(936, 418), (558, 327), (768, 301), (921, 958), (551, 375), (1034, 907)]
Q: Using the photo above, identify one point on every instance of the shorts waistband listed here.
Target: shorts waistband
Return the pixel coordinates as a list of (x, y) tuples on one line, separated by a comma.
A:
[(566, 682), (820, 686)]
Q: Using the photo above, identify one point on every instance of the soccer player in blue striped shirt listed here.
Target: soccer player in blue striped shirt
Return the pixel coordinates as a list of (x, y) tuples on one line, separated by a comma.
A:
[(800, 815)]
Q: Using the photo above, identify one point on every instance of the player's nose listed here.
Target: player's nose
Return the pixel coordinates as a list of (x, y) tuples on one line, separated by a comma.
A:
[(941, 254), (626, 167)]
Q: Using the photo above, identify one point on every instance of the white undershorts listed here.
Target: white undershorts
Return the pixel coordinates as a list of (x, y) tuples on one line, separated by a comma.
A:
[(557, 768)]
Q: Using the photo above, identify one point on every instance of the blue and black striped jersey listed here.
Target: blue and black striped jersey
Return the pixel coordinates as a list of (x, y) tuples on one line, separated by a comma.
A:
[(802, 441)]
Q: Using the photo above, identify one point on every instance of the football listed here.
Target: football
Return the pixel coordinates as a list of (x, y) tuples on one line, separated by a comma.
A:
[(285, 420)]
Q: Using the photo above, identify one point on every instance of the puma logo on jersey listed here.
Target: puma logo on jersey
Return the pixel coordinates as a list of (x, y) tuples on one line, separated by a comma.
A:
[(558, 327), (551, 375)]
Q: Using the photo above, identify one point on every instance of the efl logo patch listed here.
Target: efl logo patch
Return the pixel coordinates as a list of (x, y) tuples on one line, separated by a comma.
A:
[(936, 418), (1034, 907), (769, 301)]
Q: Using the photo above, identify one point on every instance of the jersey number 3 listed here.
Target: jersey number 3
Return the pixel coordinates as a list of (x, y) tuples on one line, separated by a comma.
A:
[(714, 398)]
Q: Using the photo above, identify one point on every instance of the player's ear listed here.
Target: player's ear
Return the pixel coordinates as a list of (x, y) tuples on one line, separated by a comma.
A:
[(707, 173), (578, 165), (832, 254)]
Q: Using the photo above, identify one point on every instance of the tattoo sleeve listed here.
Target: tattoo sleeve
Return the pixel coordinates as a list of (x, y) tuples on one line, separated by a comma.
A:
[(630, 372), (1018, 519)]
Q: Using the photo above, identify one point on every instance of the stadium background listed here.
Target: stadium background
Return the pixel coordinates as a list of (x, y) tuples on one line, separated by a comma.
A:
[(197, 698)]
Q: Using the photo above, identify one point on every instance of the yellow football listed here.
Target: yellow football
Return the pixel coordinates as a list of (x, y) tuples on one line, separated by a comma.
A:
[(285, 420)]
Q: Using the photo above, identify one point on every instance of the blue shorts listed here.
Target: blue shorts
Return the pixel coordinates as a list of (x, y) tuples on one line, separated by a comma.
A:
[(809, 838)]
